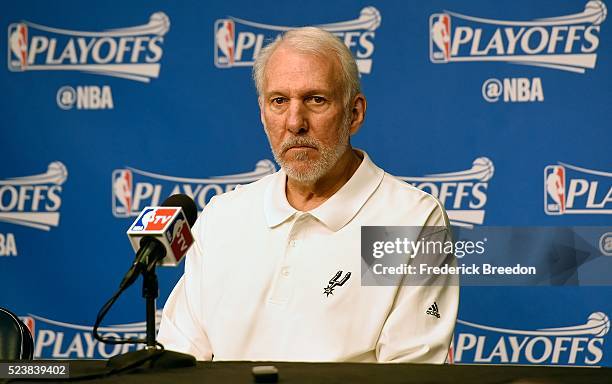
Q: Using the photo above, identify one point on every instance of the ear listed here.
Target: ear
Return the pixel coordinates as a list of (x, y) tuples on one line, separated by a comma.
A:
[(358, 111)]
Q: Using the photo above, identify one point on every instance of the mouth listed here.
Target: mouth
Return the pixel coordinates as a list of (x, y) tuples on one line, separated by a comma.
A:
[(300, 148)]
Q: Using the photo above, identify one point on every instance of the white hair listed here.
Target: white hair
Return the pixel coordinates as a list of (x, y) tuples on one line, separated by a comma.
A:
[(318, 42)]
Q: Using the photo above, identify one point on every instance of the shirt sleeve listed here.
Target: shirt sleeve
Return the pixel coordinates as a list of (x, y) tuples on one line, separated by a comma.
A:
[(181, 327), (421, 323)]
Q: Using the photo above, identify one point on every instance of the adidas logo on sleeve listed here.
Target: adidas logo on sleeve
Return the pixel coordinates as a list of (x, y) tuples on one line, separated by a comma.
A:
[(433, 310)]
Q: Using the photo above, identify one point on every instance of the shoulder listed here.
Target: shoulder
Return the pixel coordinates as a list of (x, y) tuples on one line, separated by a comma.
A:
[(242, 194), (402, 196), (228, 210)]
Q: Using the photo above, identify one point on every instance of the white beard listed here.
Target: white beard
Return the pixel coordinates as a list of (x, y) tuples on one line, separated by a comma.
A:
[(314, 169)]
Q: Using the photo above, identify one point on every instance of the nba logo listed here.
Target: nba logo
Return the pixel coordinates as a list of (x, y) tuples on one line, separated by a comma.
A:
[(439, 38), (122, 192), (554, 190), (225, 31), (141, 223), (18, 47)]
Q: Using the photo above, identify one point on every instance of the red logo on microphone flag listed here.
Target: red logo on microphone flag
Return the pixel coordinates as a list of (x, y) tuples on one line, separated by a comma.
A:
[(181, 239)]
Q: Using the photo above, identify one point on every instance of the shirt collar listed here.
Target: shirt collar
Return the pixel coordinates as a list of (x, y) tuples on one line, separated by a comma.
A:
[(338, 210)]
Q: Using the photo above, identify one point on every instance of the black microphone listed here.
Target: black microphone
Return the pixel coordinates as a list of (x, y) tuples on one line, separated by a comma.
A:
[(161, 235)]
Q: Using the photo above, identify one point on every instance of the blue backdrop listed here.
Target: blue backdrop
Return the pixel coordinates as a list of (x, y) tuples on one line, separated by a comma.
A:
[(498, 108)]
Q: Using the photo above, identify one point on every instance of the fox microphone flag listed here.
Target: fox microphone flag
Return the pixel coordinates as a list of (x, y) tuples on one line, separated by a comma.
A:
[(161, 235)]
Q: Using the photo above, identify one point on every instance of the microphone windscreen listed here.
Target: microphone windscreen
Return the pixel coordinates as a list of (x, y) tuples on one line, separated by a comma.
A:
[(186, 203)]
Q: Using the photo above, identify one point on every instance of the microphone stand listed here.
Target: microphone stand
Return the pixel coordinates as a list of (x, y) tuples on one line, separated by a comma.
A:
[(150, 291), (156, 357)]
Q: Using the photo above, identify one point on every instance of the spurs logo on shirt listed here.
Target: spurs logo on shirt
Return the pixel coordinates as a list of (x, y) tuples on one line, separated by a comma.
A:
[(333, 283)]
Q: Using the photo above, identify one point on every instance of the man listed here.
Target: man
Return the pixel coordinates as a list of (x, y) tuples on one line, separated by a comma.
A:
[(270, 275)]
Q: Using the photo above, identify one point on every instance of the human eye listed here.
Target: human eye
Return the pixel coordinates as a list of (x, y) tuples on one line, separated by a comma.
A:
[(278, 100), (316, 100)]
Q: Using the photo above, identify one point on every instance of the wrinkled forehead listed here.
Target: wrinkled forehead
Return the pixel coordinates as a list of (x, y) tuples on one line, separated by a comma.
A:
[(292, 69)]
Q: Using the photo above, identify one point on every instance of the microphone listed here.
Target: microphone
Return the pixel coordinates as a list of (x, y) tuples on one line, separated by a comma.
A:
[(161, 235)]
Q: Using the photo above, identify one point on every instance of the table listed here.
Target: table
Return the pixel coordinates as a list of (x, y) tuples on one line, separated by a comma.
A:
[(343, 373)]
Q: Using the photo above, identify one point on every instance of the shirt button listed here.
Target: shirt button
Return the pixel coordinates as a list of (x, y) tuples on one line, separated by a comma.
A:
[(292, 243), (285, 271)]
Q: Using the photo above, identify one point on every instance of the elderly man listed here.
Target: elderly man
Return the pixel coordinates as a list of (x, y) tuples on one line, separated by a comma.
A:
[(275, 271)]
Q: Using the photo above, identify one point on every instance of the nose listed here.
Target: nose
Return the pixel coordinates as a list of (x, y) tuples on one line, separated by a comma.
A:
[(296, 122)]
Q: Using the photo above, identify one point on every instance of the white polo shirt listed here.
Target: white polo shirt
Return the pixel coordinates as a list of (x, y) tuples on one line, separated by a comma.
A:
[(255, 282)]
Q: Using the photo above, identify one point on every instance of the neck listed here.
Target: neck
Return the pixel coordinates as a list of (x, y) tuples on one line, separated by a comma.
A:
[(307, 196)]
